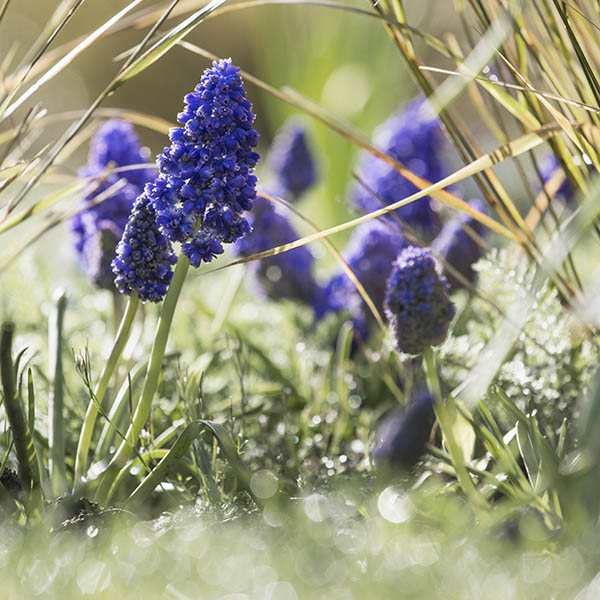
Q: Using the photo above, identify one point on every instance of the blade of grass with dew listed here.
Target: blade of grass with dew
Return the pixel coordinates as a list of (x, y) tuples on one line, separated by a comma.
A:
[(502, 341), (56, 425)]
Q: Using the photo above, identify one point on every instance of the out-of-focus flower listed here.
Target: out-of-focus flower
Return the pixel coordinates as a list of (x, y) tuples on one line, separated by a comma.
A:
[(414, 137), (291, 160), (401, 437), (98, 227), (457, 246), (548, 166), (286, 275), (370, 254)]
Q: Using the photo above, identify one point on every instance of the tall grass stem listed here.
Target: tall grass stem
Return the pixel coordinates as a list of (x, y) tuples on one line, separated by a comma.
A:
[(87, 429)]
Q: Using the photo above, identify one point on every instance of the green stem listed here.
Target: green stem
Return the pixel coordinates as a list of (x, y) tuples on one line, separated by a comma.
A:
[(56, 430), (142, 410), (87, 429), (445, 420)]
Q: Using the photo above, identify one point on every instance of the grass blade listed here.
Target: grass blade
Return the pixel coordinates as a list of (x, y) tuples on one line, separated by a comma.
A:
[(164, 44), (56, 425), (6, 110), (22, 439)]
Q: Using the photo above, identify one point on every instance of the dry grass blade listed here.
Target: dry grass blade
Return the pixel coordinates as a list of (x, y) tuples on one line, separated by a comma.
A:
[(513, 86), (52, 219), (142, 119), (151, 33), (6, 111), (165, 43), (331, 248), (82, 187), (139, 65), (60, 18), (479, 57), (3, 8)]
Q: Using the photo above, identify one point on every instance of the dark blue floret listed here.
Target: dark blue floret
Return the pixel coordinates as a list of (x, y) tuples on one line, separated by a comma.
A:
[(414, 138), (286, 275), (292, 161), (144, 255), (548, 166), (114, 144), (370, 254), (416, 302), (401, 437), (206, 181), (458, 247)]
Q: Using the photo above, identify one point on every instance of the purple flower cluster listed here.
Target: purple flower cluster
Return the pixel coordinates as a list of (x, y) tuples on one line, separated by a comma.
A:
[(458, 247), (292, 161), (370, 254), (414, 138), (548, 166), (416, 301), (97, 229), (286, 275), (144, 255), (206, 181)]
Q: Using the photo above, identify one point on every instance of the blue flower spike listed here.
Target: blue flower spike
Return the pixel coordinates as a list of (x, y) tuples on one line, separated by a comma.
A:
[(206, 182), (144, 255), (416, 302)]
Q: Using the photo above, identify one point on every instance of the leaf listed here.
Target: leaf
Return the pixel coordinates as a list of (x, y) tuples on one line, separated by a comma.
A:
[(529, 455), (178, 450)]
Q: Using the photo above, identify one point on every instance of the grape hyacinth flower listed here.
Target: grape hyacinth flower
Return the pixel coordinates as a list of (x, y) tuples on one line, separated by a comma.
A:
[(458, 247), (401, 437), (291, 160), (370, 254), (144, 255), (205, 182), (414, 137), (416, 301), (286, 275), (548, 166), (98, 228)]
